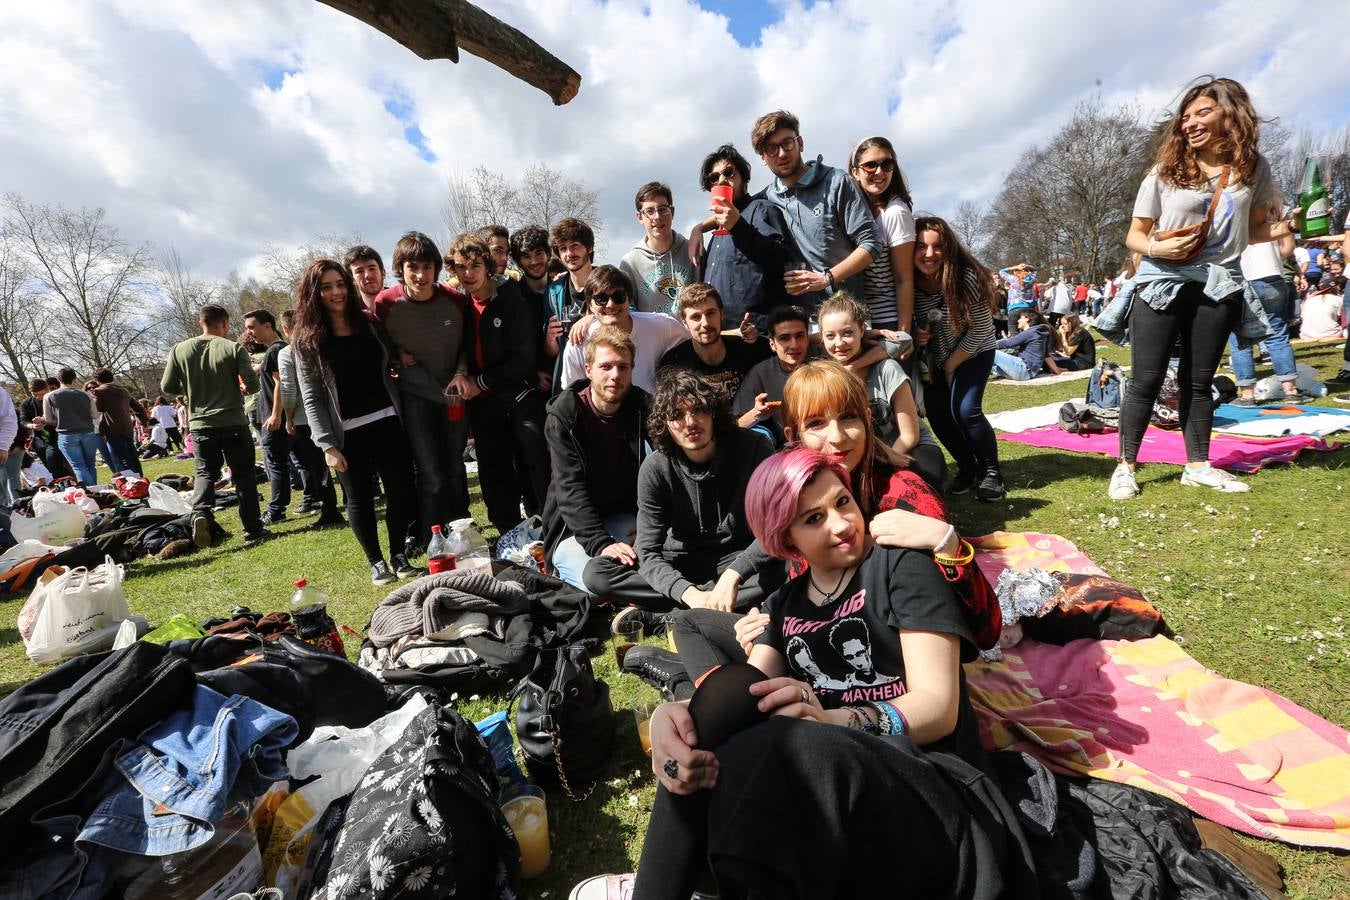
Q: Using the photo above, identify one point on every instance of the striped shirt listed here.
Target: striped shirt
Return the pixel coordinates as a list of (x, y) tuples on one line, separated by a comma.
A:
[(895, 227), (978, 338)]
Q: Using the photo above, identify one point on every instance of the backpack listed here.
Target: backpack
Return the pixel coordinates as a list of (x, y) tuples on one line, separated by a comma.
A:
[(425, 818), (1099, 411)]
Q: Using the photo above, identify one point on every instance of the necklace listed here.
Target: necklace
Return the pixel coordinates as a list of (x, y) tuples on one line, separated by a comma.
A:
[(829, 597)]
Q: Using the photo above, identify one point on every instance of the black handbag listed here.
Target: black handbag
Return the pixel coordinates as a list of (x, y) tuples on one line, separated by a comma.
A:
[(564, 721)]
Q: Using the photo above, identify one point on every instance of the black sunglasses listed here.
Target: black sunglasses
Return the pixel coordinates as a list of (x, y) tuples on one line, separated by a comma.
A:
[(872, 165), (728, 173), (616, 298)]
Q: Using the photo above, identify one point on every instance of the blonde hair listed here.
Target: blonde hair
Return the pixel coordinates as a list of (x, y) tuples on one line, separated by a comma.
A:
[(610, 336), (846, 303)]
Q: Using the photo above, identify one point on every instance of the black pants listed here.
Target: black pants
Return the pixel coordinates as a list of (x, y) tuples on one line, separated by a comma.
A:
[(608, 578), (930, 465), (175, 437), (314, 473), (1201, 326), (706, 638), (276, 447), (437, 446), (382, 447), (805, 810), (503, 426), (215, 447)]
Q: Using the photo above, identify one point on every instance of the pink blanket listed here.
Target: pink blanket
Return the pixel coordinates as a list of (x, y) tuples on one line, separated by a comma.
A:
[(1227, 451), (1147, 714)]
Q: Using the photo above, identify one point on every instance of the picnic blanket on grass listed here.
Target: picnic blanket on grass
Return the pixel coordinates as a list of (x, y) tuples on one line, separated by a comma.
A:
[(1015, 420), (1039, 380), (1234, 452), (1147, 714), (1275, 421)]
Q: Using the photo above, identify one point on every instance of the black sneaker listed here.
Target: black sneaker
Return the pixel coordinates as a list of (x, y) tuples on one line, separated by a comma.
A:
[(380, 574), (402, 568), (253, 537), (962, 483), (991, 488), (328, 521), (658, 667), (654, 624), (1341, 377), (307, 509), (269, 518)]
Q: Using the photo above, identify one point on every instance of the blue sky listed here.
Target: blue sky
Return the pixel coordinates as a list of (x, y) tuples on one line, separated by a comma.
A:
[(747, 19)]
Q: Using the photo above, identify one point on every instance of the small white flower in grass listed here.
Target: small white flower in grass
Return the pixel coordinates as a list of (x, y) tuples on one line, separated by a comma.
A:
[(633, 798), (381, 872), (418, 878)]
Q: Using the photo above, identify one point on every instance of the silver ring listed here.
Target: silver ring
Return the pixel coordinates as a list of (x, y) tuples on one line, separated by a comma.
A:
[(806, 695), (671, 768)]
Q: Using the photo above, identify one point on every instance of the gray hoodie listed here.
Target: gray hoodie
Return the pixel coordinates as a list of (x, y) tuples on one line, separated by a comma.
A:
[(659, 277)]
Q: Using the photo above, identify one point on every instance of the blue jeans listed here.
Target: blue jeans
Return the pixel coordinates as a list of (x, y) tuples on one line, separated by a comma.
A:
[(1011, 366), (956, 412), (569, 558), (81, 450), (123, 447), (9, 488), (1273, 292)]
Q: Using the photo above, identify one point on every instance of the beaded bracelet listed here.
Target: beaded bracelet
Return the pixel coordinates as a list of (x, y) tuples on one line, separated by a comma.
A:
[(885, 725)]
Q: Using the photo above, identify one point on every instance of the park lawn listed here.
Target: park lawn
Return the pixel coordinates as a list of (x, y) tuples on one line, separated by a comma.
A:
[(1256, 586)]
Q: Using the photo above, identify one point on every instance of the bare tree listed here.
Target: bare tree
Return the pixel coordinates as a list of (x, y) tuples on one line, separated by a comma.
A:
[(1067, 205), (239, 295), (94, 280), (19, 312), (185, 295), (968, 221), (544, 195), (286, 265)]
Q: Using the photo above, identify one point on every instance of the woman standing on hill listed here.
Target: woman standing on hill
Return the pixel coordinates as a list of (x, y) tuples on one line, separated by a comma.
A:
[(352, 406), (1208, 195)]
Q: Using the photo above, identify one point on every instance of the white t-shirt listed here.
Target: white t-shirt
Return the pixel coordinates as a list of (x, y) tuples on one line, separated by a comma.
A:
[(1262, 261), (895, 227), (653, 334), (1321, 316), (1171, 207), (165, 415), (1063, 300)]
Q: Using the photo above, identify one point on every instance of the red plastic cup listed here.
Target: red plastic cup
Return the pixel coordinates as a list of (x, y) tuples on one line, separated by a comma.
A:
[(454, 407), (722, 192)]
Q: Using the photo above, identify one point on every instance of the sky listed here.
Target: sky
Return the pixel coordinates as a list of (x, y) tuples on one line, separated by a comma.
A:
[(218, 128)]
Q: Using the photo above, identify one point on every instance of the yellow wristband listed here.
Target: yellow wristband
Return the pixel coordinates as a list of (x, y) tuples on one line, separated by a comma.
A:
[(966, 551)]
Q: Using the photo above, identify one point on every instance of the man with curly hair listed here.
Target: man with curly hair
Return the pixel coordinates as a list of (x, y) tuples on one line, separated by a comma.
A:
[(693, 543)]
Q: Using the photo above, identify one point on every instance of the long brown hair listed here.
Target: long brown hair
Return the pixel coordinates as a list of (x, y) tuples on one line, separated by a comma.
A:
[(898, 187), (1237, 145), (965, 283), (312, 328), (824, 387)]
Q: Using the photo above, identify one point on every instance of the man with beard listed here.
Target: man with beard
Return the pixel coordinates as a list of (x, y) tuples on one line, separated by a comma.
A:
[(721, 360), (367, 268)]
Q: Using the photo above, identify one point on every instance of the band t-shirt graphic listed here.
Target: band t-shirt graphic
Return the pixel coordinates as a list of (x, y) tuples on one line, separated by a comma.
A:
[(848, 650)]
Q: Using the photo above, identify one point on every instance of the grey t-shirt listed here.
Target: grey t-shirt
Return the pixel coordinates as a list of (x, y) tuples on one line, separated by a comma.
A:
[(432, 331), (1171, 207), (883, 380)]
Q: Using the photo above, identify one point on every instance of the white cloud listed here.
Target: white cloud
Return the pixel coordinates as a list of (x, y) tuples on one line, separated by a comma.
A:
[(220, 127)]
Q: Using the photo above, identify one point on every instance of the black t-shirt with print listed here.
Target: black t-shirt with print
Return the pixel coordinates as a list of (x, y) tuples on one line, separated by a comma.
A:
[(849, 650), (727, 374)]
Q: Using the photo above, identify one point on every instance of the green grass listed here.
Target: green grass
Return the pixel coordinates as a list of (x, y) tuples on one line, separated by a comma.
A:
[(1255, 586)]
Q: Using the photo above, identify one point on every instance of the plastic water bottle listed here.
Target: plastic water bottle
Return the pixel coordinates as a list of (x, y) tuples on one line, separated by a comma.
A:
[(440, 555), (471, 548), (309, 611)]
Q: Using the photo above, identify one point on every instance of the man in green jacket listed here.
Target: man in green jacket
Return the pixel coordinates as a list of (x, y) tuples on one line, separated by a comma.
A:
[(215, 373)]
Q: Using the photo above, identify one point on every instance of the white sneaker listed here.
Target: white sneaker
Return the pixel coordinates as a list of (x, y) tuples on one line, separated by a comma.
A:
[(604, 887), (1123, 486), (1214, 478)]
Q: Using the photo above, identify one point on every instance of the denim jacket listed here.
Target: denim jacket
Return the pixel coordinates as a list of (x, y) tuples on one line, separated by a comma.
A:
[(1157, 284)]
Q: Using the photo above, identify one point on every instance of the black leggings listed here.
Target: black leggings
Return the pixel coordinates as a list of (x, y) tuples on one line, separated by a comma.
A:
[(1203, 326), (382, 447), (706, 638)]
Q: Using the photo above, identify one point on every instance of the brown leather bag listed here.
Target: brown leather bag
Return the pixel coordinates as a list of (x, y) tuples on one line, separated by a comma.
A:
[(1200, 228)]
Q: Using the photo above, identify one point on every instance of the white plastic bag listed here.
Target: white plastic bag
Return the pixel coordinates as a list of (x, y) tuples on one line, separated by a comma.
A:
[(79, 612), (46, 501), (62, 525), (167, 499), (26, 550), (340, 757), (35, 474)]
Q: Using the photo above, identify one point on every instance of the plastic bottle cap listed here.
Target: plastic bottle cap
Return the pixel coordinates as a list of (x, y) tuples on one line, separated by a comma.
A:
[(435, 529), (301, 583)]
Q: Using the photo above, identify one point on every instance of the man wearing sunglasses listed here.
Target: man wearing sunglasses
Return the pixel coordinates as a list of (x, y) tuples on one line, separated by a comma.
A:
[(659, 263), (826, 214), (745, 263), (609, 293)]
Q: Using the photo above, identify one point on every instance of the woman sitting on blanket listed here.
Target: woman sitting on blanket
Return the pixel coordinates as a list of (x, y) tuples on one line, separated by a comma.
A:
[(825, 408), (867, 638), (1073, 349)]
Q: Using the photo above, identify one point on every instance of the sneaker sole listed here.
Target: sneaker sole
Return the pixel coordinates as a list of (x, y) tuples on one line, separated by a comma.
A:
[(381, 582), (201, 532), (1245, 489)]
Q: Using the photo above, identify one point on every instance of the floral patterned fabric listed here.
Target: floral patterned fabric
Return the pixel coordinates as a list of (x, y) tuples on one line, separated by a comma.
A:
[(425, 821)]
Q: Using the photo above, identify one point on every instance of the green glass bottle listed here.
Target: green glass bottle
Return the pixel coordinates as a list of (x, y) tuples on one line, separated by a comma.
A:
[(1315, 220)]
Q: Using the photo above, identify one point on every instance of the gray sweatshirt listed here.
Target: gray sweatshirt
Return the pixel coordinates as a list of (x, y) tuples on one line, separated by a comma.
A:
[(659, 277)]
